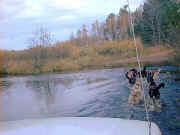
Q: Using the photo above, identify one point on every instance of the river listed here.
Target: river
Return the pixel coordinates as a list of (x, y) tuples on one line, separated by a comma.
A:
[(97, 93)]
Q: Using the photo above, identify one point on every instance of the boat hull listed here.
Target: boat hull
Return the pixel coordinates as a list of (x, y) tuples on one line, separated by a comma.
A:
[(78, 126)]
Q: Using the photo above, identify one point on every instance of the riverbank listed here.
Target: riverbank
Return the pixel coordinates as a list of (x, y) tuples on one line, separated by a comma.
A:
[(67, 58), (98, 93), (157, 59)]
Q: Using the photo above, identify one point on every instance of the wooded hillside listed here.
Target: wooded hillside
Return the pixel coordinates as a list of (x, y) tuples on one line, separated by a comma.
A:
[(156, 23)]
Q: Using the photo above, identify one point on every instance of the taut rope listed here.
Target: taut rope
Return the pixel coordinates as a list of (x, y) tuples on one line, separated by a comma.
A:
[(139, 65)]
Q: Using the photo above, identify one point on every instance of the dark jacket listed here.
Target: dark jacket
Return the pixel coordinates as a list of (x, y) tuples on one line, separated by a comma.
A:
[(131, 80), (154, 90)]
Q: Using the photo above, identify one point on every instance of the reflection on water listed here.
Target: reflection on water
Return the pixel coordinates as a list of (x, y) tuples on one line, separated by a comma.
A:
[(45, 90), (92, 80), (96, 93), (5, 84)]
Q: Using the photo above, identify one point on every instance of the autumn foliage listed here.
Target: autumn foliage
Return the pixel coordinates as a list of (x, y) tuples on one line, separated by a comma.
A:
[(67, 57), (91, 47)]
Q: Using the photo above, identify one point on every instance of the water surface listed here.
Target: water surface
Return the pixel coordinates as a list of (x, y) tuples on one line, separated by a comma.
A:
[(98, 93)]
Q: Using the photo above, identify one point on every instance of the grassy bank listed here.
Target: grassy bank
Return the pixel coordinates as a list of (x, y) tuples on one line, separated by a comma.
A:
[(69, 58)]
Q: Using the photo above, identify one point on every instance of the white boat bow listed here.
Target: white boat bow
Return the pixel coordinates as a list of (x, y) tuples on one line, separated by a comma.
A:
[(78, 126)]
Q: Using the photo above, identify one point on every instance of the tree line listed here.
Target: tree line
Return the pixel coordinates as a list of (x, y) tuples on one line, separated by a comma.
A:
[(156, 22), (159, 22), (115, 28)]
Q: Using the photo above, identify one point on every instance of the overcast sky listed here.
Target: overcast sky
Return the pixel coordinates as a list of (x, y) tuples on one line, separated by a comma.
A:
[(20, 18)]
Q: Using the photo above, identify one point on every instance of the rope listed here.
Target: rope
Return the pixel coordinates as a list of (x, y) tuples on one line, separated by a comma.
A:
[(139, 65)]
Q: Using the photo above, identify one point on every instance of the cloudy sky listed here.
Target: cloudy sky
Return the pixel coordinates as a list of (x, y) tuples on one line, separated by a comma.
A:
[(20, 18)]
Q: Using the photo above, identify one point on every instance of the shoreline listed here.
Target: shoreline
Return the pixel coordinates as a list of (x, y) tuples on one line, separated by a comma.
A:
[(88, 69), (157, 59)]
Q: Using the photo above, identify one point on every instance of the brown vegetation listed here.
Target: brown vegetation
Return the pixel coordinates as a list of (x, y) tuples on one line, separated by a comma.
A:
[(1, 63), (67, 57), (106, 44)]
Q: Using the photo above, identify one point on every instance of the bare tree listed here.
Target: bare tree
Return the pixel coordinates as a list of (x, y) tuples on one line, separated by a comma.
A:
[(85, 35), (41, 37), (38, 45), (96, 33), (72, 39)]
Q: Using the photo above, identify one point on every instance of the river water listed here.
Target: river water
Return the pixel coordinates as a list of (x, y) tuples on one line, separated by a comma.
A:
[(98, 93)]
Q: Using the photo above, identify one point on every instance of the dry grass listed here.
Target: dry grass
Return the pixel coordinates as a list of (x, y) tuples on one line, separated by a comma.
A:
[(66, 57)]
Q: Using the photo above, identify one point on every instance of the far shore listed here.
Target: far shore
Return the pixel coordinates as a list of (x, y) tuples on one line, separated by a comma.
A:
[(157, 59)]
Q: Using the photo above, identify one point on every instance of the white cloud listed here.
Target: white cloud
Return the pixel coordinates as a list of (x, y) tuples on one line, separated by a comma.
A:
[(33, 11), (69, 4), (66, 18), (61, 16), (36, 8)]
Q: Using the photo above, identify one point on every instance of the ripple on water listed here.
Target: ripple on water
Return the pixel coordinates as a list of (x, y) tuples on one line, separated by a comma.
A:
[(101, 93)]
